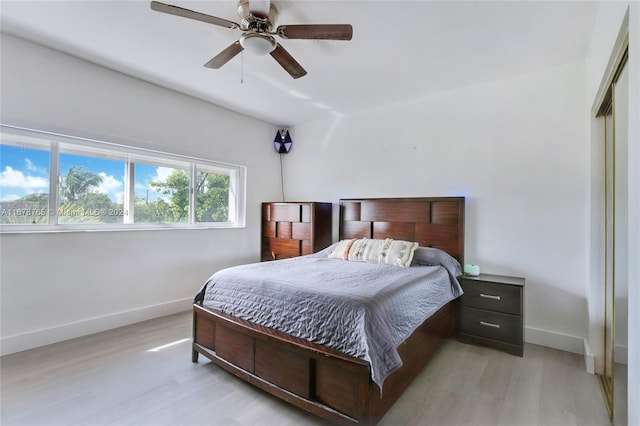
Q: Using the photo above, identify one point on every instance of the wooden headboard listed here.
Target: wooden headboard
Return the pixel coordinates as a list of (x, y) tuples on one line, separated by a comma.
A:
[(431, 221)]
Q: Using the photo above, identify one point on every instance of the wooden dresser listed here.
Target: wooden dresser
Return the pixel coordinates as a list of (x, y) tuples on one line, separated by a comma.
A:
[(492, 312), (291, 229)]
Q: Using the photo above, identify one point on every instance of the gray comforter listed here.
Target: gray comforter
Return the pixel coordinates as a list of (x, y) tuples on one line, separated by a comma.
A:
[(362, 309)]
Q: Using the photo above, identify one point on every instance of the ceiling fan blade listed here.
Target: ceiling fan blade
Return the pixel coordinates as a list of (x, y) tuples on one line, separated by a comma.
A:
[(225, 56), (287, 62), (186, 13), (316, 32)]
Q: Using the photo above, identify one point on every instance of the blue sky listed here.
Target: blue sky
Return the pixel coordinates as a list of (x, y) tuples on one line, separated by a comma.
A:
[(26, 171)]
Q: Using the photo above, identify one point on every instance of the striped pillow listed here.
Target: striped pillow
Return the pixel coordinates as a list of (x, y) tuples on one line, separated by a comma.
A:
[(342, 250)]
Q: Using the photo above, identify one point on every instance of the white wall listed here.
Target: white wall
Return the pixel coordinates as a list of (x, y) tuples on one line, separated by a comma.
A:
[(515, 148), (56, 286)]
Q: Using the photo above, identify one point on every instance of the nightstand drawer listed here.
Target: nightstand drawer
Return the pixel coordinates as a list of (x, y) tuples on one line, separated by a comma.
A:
[(494, 297), (491, 325)]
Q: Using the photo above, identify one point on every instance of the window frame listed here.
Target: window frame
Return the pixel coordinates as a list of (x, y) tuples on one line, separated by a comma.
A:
[(59, 143)]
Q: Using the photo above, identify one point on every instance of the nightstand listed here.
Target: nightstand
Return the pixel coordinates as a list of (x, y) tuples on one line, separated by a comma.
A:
[(492, 312)]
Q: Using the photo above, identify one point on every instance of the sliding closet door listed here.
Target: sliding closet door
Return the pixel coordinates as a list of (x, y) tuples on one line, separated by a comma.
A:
[(621, 247), (613, 373), (607, 371)]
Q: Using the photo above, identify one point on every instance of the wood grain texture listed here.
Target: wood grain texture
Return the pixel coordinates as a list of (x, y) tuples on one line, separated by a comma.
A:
[(111, 378), (291, 229), (338, 387), (431, 221)]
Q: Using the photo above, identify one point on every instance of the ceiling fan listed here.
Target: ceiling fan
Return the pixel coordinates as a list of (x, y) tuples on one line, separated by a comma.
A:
[(257, 26)]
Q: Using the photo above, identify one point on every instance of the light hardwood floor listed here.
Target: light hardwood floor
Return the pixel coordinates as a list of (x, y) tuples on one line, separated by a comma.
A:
[(116, 378)]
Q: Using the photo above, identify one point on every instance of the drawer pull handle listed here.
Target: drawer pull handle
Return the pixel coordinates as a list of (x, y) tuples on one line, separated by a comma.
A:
[(489, 296), (489, 324)]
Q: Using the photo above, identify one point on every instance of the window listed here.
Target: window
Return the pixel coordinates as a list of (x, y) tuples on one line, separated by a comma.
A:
[(100, 185), (212, 195), (24, 181), (91, 187), (161, 193)]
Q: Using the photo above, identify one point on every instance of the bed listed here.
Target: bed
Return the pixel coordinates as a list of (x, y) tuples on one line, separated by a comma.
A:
[(331, 383)]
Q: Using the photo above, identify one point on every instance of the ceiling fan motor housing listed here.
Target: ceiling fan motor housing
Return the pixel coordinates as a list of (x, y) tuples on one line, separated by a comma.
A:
[(257, 38), (257, 20)]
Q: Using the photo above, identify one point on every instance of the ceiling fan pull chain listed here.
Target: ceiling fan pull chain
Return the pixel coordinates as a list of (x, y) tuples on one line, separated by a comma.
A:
[(242, 67)]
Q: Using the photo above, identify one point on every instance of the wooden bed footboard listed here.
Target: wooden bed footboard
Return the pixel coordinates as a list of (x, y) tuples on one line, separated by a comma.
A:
[(325, 382)]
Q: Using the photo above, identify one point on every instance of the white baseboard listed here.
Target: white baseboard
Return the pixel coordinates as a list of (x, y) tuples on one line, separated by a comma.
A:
[(573, 344), (554, 340), (34, 339), (595, 362), (589, 358), (620, 354)]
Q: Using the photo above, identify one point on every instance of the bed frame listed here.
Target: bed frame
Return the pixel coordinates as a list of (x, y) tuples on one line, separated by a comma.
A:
[(321, 380)]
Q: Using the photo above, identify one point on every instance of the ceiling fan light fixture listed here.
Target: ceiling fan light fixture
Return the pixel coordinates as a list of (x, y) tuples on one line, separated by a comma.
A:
[(258, 44)]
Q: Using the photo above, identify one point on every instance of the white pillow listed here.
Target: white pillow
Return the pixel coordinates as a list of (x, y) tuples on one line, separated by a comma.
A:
[(401, 253), (387, 251)]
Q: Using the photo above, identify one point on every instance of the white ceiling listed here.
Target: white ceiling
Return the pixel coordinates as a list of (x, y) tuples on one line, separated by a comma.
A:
[(400, 49)]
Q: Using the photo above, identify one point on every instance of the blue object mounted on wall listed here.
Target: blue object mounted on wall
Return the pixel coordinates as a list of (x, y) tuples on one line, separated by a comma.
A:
[(282, 142)]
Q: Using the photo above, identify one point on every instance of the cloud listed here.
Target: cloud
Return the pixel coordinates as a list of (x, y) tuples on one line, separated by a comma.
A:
[(150, 193), (162, 174), (31, 166), (110, 186), (10, 178)]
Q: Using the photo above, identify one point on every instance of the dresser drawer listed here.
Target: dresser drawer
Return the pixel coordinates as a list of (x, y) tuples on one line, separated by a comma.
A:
[(494, 297), (285, 213), (491, 325), (280, 248)]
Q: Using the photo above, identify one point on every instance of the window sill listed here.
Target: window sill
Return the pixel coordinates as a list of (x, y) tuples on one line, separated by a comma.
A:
[(53, 229)]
